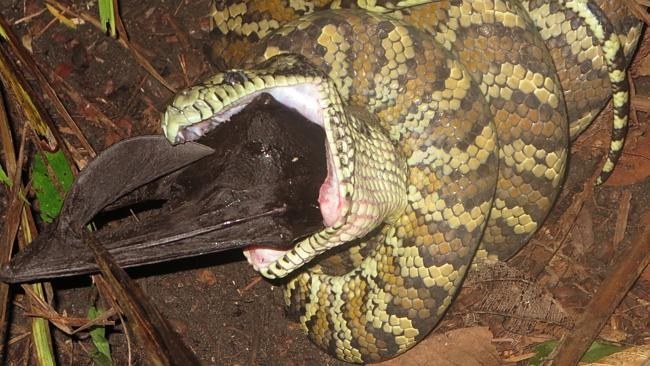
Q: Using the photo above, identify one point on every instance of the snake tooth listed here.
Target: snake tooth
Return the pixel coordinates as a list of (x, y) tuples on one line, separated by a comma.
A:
[(448, 127)]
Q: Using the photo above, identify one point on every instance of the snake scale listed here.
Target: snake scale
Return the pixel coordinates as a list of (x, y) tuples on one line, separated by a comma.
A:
[(448, 125)]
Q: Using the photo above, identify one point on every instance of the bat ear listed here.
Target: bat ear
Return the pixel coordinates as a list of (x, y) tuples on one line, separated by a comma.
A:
[(120, 169)]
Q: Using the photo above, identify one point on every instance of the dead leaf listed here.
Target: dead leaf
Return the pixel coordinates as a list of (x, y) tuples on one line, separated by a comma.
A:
[(206, 277), (123, 129), (634, 165), (499, 289), (60, 17), (150, 119), (125, 126), (26, 40), (63, 69), (613, 335), (635, 356), (582, 234), (643, 67), (465, 346)]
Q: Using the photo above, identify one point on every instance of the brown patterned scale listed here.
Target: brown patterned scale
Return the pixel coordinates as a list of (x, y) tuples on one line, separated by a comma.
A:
[(448, 129)]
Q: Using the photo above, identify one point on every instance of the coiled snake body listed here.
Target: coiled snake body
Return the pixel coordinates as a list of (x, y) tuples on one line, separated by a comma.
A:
[(448, 127)]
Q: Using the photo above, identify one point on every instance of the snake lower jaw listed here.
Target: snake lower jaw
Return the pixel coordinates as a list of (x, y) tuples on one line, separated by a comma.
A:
[(260, 257)]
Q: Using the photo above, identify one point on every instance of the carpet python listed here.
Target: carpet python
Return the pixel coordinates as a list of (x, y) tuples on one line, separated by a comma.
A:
[(448, 126)]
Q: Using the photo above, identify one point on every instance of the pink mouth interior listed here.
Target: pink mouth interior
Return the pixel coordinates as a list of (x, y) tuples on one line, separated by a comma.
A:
[(331, 206)]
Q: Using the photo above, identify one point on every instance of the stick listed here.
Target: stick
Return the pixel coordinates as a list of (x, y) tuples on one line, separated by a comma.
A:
[(626, 269)]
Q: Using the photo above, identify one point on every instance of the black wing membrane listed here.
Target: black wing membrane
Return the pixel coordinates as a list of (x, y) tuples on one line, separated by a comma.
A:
[(252, 180)]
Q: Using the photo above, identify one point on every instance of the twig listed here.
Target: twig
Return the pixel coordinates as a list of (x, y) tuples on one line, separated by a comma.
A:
[(30, 17), (638, 11), (44, 310), (250, 285), (518, 358), (121, 30), (10, 227), (179, 32), (641, 104), (89, 108), (14, 208), (562, 227), (15, 339), (627, 267), (178, 8), (102, 319), (41, 336), (132, 98), (181, 61), (46, 28), (71, 353), (255, 342), (161, 344), (128, 340), (621, 218), (27, 60)]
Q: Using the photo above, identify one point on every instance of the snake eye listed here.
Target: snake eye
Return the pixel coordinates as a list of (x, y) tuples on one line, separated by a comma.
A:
[(235, 77)]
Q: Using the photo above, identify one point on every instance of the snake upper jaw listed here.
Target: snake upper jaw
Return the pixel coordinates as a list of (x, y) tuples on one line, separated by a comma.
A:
[(188, 118), (257, 186)]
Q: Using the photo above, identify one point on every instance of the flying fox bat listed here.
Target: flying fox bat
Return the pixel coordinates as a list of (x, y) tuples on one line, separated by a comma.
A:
[(252, 180)]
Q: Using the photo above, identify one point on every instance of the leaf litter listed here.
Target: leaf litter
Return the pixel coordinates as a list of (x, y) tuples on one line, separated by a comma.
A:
[(544, 288)]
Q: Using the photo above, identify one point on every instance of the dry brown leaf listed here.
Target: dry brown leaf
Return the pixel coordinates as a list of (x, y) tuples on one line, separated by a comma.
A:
[(206, 277), (634, 165), (643, 68), (499, 289), (582, 234), (465, 346), (635, 356)]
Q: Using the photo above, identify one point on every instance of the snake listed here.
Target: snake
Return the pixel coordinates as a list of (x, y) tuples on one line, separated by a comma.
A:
[(448, 127)]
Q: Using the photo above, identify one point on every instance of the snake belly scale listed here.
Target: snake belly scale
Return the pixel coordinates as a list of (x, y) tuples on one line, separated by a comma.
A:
[(448, 126)]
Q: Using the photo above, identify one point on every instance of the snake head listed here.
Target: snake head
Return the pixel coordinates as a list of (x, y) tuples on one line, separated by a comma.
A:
[(289, 78), (366, 175)]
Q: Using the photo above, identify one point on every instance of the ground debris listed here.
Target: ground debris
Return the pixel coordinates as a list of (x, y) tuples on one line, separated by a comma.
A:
[(498, 289), (466, 346)]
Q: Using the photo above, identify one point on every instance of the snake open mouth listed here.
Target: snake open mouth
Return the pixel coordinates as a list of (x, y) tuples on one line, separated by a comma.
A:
[(304, 99)]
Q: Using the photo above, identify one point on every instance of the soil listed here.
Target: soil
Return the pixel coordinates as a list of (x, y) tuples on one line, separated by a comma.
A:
[(226, 313)]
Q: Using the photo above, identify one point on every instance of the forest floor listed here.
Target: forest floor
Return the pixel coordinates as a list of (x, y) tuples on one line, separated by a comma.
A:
[(226, 313)]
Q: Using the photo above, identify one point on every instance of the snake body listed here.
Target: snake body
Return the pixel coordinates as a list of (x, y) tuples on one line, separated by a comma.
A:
[(448, 128)]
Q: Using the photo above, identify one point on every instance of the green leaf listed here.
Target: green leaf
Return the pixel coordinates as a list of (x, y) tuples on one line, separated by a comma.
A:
[(3, 33), (4, 179), (596, 351), (107, 17), (600, 349), (542, 350), (50, 186), (101, 355)]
